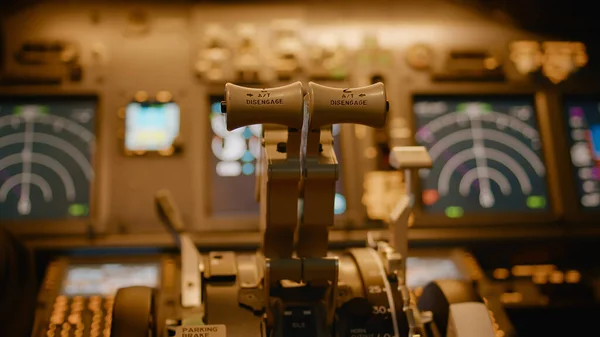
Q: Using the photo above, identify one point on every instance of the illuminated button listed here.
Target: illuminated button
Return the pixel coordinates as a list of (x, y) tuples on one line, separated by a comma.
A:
[(66, 328), (578, 135), (454, 212), (573, 276), (78, 209), (576, 122), (536, 202), (557, 277), (57, 319), (585, 173), (248, 169), (522, 270), (430, 197), (590, 200), (229, 169), (589, 186), (74, 319), (580, 155)]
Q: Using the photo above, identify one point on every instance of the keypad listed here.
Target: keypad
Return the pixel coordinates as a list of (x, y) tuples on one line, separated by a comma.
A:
[(80, 316)]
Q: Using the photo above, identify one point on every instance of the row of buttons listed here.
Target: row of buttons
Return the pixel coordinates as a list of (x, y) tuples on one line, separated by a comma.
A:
[(98, 309)]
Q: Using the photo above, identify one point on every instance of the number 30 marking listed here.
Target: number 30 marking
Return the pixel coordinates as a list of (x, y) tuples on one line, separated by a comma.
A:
[(380, 310)]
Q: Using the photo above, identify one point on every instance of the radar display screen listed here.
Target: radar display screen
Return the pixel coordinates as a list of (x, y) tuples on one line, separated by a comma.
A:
[(106, 279), (46, 149), (486, 153), (233, 165), (583, 126), (151, 126), (422, 270)]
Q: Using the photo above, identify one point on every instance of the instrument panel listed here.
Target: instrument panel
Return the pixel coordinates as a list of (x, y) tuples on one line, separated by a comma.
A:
[(493, 151)]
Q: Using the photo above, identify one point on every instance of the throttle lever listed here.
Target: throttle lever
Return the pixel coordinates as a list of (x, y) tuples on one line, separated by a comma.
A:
[(192, 265)]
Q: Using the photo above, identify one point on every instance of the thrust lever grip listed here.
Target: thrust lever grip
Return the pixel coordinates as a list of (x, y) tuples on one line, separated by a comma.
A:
[(365, 105), (327, 106), (279, 162), (246, 106)]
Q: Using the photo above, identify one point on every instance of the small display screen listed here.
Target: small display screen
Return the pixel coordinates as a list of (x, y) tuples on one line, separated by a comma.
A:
[(486, 153), (233, 165), (583, 126), (46, 151), (151, 126), (422, 270), (106, 279)]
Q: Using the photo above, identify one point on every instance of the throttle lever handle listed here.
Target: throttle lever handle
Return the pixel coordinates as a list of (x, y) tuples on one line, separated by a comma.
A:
[(366, 105), (247, 106)]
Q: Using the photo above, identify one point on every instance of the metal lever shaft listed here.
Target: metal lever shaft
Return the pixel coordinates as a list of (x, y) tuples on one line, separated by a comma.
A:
[(191, 260)]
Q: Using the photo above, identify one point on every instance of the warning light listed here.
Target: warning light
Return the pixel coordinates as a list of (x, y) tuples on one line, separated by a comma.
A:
[(454, 212), (78, 210), (430, 197), (536, 202)]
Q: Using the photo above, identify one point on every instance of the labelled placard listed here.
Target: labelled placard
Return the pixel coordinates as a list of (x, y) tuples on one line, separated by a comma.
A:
[(217, 330)]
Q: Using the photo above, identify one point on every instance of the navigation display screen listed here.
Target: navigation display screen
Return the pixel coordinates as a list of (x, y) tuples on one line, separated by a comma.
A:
[(582, 116), (106, 279), (233, 166), (422, 270), (46, 151), (151, 126), (486, 153)]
